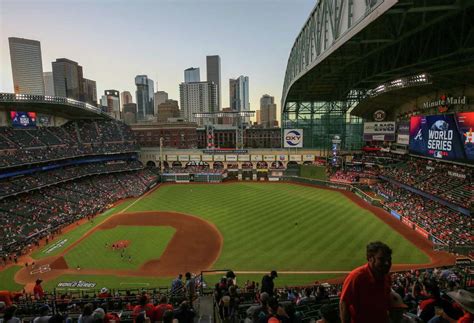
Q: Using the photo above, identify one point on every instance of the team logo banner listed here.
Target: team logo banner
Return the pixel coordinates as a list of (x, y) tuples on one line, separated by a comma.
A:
[(23, 119), (293, 138), (448, 136)]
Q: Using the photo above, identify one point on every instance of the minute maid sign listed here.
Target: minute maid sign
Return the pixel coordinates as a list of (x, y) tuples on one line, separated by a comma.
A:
[(293, 138)]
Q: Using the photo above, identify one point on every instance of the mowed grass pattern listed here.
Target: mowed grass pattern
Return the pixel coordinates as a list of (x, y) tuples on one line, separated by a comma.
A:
[(146, 243), (283, 226)]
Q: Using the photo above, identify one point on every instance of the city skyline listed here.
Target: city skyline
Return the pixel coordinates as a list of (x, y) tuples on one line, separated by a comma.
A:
[(113, 50)]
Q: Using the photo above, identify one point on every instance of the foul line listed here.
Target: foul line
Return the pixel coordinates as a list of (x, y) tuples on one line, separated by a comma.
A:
[(137, 200)]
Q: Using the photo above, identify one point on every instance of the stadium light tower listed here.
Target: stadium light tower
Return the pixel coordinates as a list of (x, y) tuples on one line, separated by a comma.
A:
[(210, 117)]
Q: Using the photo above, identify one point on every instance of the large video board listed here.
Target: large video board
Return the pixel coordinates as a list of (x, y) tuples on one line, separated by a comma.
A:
[(23, 119), (448, 136)]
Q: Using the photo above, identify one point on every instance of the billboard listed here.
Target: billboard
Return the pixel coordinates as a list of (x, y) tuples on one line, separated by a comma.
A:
[(448, 136), (293, 138), (379, 131), (403, 133), (23, 119)]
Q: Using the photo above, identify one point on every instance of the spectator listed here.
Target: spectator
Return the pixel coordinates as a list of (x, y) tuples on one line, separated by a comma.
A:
[(184, 313), (38, 289), (190, 287), (329, 314), (177, 286), (44, 317), (268, 285), (161, 308), (144, 307), (365, 294), (9, 315), (86, 316)]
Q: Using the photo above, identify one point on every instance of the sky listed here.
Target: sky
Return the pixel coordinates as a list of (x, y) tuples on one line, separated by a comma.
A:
[(115, 40)]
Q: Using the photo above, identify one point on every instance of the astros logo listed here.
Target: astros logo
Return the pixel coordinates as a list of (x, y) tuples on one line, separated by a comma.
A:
[(469, 137)]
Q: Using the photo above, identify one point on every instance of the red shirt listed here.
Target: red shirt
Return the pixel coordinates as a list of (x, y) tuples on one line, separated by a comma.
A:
[(148, 309), (467, 318), (367, 298), (160, 309), (38, 291)]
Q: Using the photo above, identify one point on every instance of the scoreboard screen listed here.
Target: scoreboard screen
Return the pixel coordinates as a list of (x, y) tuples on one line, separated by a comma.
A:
[(448, 136), (23, 119)]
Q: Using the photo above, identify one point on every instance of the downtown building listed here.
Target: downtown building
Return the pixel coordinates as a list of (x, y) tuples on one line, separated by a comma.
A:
[(111, 103), (239, 95), (213, 68), (27, 66), (144, 97), (196, 97), (267, 116)]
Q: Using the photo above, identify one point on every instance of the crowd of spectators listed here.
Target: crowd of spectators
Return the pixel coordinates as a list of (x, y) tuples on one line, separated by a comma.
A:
[(453, 183), (416, 294), (75, 138), (449, 226), (28, 217), (28, 182)]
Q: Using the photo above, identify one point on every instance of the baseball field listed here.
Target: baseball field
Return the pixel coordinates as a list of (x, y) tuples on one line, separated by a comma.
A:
[(306, 233)]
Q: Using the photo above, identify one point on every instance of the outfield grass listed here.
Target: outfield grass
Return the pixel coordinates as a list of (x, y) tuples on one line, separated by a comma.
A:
[(283, 226), (6, 279), (62, 241), (146, 243)]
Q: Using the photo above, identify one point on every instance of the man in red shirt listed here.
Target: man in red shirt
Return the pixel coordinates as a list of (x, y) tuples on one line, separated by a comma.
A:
[(365, 294), (161, 308), (144, 307), (38, 289)]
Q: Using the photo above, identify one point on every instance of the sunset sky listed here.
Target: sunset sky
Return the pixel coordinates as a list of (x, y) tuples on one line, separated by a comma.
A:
[(116, 40)]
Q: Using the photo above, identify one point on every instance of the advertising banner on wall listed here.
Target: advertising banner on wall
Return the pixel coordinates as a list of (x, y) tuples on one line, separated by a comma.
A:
[(195, 157), (256, 158), (171, 158), (183, 157), (244, 157), (207, 158), (448, 136), (295, 157), (308, 157), (219, 157), (231, 157), (403, 133), (269, 157), (379, 131), (293, 138)]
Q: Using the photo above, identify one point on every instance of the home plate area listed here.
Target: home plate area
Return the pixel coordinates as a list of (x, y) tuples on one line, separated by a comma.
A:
[(41, 270)]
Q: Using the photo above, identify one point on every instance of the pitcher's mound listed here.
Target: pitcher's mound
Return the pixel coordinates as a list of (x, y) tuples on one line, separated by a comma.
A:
[(121, 244)]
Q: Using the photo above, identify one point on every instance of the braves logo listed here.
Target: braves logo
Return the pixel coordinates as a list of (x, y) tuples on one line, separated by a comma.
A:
[(419, 136)]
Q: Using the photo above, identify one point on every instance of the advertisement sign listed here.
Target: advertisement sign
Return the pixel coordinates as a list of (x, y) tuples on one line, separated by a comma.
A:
[(183, 158), (295, 157), (269, 157), (171, 158), (231, 157), (219, 157), (256, 158), (448, 136), (308, 157), (23, 119), (244, 157), (395, 214), (403, 139), (44, 120), (207, 158), (379, 131), (293, 138), (195, 157), (282, 157), (403, 133)]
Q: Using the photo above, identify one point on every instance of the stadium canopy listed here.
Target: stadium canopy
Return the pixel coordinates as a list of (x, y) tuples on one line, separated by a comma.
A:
[(62, 107), (348, 47)]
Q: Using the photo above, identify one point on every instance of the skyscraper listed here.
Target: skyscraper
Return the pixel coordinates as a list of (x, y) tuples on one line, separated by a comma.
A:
[(160, 97), (213, 66), (192, 74), (239, 93), (68, 79), (112, 103), (90, 92), (197, 97), (27, 66), (144, 96), (267, 111), (48, 83), (125, 98)]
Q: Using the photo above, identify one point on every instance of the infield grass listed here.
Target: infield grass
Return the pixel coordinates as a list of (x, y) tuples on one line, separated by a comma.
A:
[(146, 243), (7, 281)]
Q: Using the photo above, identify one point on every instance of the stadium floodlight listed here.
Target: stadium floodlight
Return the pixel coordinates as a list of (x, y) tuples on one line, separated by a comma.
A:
[(414, 80)]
